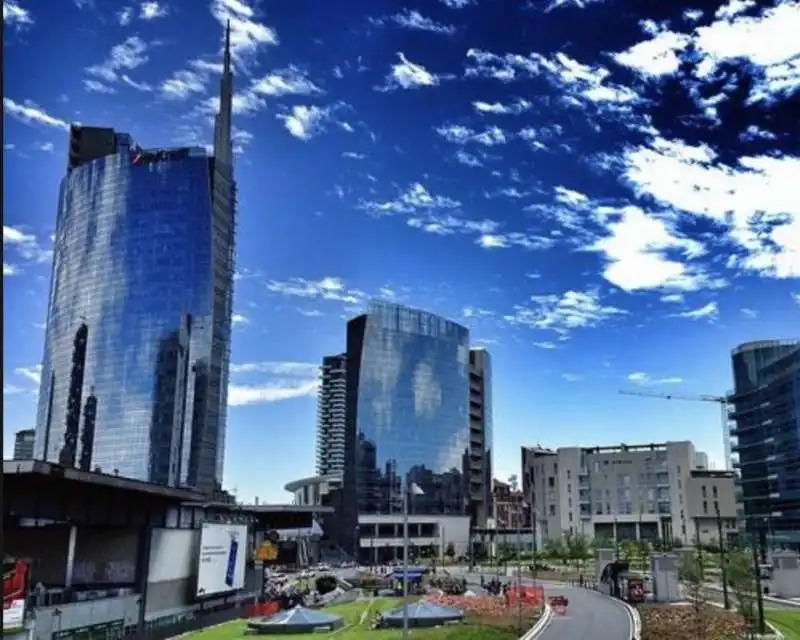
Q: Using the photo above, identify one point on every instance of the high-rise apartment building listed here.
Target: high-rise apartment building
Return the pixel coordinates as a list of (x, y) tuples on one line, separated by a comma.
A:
[(136, 359), (479, 464), (23, 444), (765, 438), (331, 401), (627, 492)]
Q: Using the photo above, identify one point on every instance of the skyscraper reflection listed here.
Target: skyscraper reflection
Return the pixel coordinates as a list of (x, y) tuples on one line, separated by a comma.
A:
[(407, 411), (143, 266)]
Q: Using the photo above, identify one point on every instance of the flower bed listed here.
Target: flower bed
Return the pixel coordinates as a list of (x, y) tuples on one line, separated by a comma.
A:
[(687, 623), (491, 611)]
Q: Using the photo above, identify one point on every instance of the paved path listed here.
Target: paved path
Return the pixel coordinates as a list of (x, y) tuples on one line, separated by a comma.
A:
[(590, 616)]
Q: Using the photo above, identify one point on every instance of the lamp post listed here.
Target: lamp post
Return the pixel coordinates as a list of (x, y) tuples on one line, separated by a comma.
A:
[(413, 489), (519, 502)]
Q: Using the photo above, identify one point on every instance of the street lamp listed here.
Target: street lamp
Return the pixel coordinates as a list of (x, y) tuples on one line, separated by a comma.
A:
[(413, 489), (722, 558)]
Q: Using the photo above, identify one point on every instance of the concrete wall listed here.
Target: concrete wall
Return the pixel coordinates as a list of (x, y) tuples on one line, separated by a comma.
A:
[(79, 614)]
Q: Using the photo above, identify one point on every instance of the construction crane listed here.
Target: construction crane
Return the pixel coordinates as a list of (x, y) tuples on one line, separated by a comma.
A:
[(723, 401)]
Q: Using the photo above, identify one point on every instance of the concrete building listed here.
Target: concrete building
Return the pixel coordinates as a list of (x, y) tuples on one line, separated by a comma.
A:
[(511, 509), (480, 436), (711, 505), (623, 492), (23, 444), (765, 439), (331, 423)]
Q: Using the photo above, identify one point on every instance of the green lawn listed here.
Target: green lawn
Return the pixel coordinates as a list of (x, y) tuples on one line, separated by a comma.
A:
[(787, 622), (355, 630)]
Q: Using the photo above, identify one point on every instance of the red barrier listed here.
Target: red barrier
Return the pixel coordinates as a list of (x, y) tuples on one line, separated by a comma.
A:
[(262, 609), (530, 594)]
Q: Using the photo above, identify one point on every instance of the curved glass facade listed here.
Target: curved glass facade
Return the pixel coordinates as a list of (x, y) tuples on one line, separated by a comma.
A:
[(766, 436), (411, 419), (135, 369)]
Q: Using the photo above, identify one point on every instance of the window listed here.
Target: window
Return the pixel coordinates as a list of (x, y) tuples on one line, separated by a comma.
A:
[(704, 491), (714, 491), (551, 482), (705, 507), (569, 474), (551, 510)]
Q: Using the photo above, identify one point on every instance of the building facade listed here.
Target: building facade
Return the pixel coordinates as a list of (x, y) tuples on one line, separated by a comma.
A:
[(406, 414), (765, 438), (479, 463), (331, 400), (511, 508), (623, 492), (23, 444), (136, 359)]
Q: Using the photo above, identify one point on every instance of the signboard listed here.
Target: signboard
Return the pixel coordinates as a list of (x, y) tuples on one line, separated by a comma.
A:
[(223, 551), (266, 552), (15, 590)]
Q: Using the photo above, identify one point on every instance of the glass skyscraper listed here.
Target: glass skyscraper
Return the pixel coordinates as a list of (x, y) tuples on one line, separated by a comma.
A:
[(407, 411), (135, 370), (766, 437)]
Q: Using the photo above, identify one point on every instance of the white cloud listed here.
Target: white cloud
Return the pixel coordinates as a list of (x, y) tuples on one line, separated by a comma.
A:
[(238, 318), (14, 15), (325, 289), (458, 134), (545, 345), (754, 201), (25, 245), (284, 381), (95, 86), (305, 122), (409, 75), (248, 35), (709, 311), (9, 270), (33, 374), (497, 108), (152, 10), (564, 313), (636, 255), (458, 4), (31, 114), (409, 19), (572, 377), (796, 297), (125, 15), (748, 313), (184, 83), (645, 380), (128, 55)]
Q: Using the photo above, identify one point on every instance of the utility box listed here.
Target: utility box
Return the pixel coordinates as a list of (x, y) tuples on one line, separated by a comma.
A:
[(786, 574), (666, 584)]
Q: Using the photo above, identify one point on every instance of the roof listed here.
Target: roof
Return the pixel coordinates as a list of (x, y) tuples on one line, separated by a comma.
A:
[(294, 485), (710, 473), (34, 469), (258, 508)]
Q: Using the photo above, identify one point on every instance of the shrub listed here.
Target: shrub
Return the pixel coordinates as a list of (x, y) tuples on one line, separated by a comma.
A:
[(326, 584)]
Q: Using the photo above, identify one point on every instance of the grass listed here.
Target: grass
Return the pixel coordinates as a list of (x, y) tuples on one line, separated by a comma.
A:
[(355, 629), (787, 622)]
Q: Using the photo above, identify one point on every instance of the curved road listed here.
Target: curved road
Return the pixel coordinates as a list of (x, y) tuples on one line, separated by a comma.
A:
[(590, 615)]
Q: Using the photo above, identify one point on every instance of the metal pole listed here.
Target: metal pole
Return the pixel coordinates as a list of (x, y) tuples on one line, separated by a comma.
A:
[(405, 559), (519, 563), (722, 559)]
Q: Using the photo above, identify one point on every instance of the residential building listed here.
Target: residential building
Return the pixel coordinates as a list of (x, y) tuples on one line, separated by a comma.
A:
[(137, 344), (481, 429), (623, 492), (407, 416), (708, 494), (331, 400), (765, 438), (23, 444), (511, 508)]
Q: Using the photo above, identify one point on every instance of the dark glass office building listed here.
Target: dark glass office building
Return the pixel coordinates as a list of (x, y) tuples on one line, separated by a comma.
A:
[(766, 437), (135, 370), (407, 411)]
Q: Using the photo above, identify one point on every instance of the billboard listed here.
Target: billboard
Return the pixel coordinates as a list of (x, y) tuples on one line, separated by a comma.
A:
[(15, 591), (223, 551)]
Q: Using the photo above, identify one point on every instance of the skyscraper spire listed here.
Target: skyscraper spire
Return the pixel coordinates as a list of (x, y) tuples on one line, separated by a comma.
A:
[(222, 127)]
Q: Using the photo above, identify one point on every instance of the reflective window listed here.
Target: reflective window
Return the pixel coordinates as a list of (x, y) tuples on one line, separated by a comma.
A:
[(411, 420), (142, 262)]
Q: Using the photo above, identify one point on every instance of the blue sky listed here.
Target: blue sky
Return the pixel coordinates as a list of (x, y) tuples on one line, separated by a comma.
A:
[(605, 193)]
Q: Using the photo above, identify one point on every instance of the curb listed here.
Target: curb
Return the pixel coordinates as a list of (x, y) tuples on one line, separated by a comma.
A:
[(541, 624), (633, 615)]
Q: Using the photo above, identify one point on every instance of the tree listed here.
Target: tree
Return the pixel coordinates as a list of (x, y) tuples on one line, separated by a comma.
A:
[(579, 549), (692, 573), (555, 549), (450, 551), (741, 580)]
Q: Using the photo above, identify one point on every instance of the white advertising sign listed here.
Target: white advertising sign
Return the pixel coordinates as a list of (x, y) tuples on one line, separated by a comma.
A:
[(223, 551), (13, 615)]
